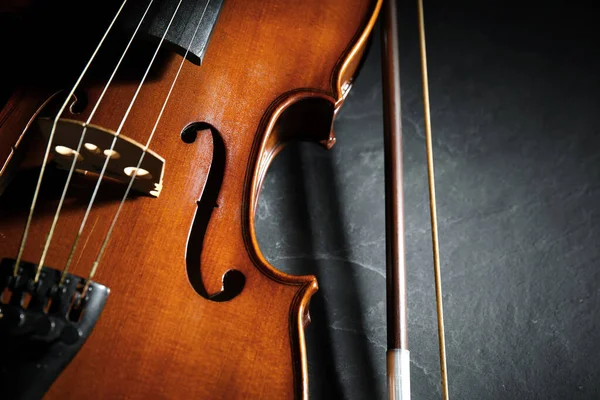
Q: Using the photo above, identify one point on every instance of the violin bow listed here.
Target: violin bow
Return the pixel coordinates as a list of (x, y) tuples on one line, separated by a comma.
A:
[(398, 355)]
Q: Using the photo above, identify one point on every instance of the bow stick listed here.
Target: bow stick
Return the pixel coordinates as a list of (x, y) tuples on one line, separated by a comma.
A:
[(398, 355)]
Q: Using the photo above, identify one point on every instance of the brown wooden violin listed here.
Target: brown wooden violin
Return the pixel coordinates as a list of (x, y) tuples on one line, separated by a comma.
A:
[(134, 139)]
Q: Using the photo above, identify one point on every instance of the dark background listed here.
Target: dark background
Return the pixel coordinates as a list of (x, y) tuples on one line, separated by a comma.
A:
[(514, 92)]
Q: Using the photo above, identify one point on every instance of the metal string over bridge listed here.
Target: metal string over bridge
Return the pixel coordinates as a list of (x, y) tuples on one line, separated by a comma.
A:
[(78, 150), (49, 146), (112, 146), (146, 147), (432, 206), (66, 269)]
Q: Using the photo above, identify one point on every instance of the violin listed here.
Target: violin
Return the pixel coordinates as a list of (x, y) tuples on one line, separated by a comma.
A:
[(134, 139)]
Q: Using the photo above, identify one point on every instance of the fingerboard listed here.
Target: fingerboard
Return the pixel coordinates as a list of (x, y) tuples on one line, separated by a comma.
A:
[(193, 22)]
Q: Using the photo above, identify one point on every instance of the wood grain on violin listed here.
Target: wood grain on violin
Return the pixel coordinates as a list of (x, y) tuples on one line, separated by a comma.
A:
[(195, 310)]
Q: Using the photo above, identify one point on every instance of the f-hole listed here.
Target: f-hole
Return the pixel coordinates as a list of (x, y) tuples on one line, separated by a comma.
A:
[(233, 281)]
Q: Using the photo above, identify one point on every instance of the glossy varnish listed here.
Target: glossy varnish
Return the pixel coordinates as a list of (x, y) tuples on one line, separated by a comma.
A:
[(273, 73)]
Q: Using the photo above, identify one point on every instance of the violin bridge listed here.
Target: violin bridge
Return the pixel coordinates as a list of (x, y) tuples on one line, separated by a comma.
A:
[(124, 157)]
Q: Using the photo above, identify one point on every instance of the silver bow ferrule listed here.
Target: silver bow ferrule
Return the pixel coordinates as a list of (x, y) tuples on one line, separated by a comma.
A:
[(398, 374)]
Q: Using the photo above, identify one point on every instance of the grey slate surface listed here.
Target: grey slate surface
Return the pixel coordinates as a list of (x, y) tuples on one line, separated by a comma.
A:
[(515, 114)]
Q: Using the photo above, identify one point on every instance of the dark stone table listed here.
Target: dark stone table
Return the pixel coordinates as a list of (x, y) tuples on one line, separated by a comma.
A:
[(516, 140)]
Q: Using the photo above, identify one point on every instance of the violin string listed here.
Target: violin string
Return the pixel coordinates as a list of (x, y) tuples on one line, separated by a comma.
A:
[(49, 146), (110, 151), (146, 147), (432, 205), (77, 151)]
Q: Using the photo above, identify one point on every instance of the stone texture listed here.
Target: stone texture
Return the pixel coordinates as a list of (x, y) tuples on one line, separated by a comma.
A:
[(514, 99)]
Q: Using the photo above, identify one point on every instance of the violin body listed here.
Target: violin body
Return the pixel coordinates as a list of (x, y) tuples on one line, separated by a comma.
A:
[(175, 325)]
